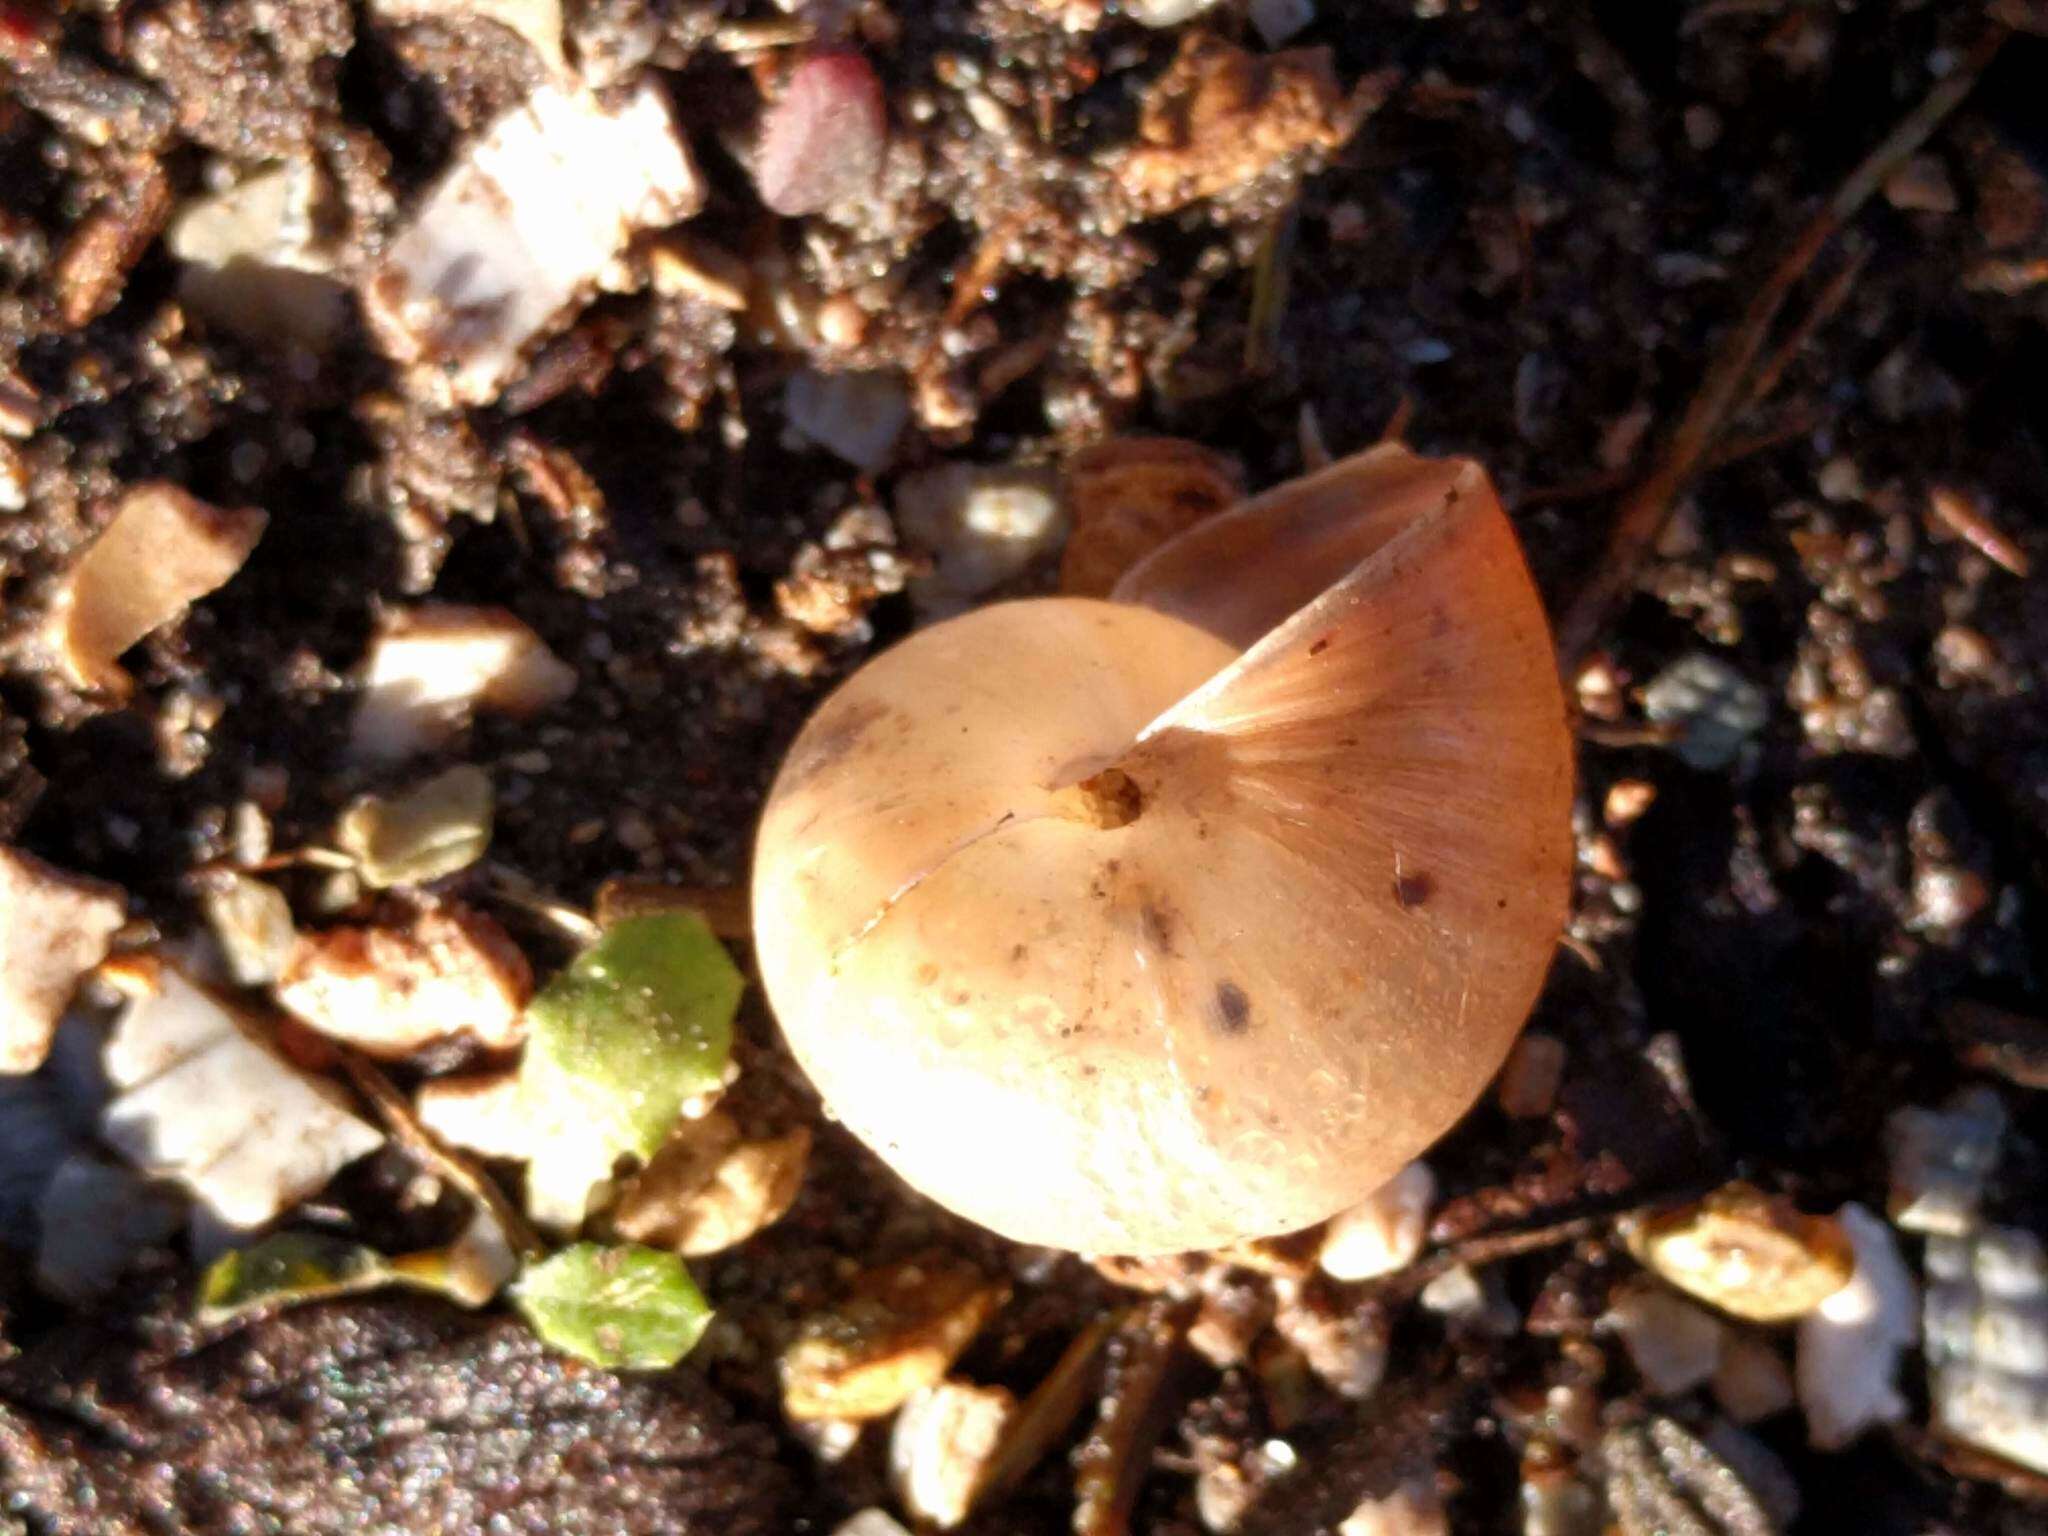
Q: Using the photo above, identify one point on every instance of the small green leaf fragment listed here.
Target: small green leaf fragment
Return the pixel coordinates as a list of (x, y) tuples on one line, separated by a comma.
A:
[(287, 1268), (618, 1042), (624, 1307)]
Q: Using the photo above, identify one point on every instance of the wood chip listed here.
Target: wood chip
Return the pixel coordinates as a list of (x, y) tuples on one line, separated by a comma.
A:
[(163, 551), (900, 1330)]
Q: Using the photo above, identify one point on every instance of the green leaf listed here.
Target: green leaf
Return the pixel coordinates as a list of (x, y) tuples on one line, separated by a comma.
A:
[(624, 1308), (630, 1030), (288, 1268)]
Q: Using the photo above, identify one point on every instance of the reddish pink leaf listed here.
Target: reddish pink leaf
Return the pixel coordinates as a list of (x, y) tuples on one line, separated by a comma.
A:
[(822, 141)]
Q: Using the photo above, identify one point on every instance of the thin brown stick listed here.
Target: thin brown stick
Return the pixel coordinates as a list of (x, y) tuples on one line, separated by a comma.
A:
[(1800, 423), (1397, 424), (1048, 1412), (1113, 1460), (1818, 314), (1645, 510), (396, 1111), (1642, 733)]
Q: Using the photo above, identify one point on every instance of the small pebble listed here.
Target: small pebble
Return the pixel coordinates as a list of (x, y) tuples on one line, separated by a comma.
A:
[(13, 480), (1849, 1346), (430, 830), (679, 268), (252, 923), (1719, 708), (823, 139), (983, 525), (1471, 1304), (1752, 1381), (1963, 654), (1279, 21), (1940, 1160), (1921, 185), (1747, 1253), (1165, 13), (1674, 1345), (942, 1439), (841, 322), (1348, 223), (1987, 1342), (1383, 1232), (21, 411), (1840, 479), (1627, 800), (1556, 1503), (858, 416), (1946, 897), (1413, 1509), (870, 1522)]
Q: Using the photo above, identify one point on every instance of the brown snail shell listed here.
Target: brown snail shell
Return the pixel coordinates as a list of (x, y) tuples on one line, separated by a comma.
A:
[(1163, 922)]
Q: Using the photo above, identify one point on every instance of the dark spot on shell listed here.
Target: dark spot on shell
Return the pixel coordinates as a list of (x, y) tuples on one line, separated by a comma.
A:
[(1320, 646), (1156, 921), (1413, 889), (1020, 953), (1233, 1008)]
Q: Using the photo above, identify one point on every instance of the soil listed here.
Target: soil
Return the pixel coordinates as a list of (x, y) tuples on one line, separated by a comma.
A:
[(1528, 251)]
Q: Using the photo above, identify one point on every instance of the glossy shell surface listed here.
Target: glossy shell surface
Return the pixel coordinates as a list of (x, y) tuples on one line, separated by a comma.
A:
[(1246, 1008)]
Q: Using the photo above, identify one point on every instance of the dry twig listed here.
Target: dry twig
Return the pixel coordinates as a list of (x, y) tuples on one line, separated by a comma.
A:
[(1727, 383), (396, 1111)]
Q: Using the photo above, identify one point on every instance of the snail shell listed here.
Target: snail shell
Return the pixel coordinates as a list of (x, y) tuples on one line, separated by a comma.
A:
[(1158, 923)]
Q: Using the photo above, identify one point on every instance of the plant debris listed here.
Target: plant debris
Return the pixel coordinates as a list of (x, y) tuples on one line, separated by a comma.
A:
[(619, 1042), (896, 1333), (623, 1308), (290, 1268), (707, 1190), (162, 551)]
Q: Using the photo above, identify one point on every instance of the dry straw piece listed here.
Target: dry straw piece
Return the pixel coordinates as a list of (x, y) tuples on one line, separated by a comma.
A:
[(1162, 922)]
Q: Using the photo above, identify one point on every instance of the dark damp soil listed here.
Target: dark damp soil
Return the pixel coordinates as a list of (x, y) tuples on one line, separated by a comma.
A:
[(1528, 252)]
